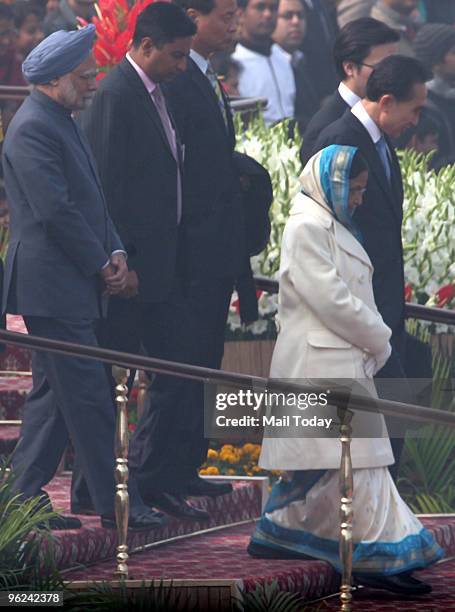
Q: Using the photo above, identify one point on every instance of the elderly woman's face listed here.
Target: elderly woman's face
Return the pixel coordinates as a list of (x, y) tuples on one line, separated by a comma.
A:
[(357, 188)]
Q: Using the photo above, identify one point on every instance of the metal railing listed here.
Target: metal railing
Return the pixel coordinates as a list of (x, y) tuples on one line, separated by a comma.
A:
[(339, 397), (238, 104), (412, 311), (9, 92)]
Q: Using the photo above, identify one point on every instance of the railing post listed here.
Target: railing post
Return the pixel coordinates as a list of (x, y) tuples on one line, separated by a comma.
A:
[(346, 514), (121, 470)]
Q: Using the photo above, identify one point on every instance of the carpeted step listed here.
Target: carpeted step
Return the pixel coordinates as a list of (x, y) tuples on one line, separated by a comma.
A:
[(221, 555), (92, 543), (441, 599)]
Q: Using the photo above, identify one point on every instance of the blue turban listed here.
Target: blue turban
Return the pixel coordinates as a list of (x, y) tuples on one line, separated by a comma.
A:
[(58, 54)]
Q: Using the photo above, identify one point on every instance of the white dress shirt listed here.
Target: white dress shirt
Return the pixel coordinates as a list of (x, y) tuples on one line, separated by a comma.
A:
[(201, 62), (348, 95), (359, 111), (153, 89)]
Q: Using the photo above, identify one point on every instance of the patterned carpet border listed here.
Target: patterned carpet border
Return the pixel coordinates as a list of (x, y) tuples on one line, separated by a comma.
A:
[(222, 555), (92, 543)]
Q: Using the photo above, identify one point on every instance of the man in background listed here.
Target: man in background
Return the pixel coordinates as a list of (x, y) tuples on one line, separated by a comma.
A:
[(435, 48), (403, 17), (359, 47), (288, 35), (395, 95), (69, 15), (28, 22), (266, 71), (350, 10), (318, 45)]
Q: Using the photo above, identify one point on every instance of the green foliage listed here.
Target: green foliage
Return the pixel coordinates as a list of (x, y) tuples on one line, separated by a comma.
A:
[(151, 598), (269, 598), (427, 475), (26, 559)]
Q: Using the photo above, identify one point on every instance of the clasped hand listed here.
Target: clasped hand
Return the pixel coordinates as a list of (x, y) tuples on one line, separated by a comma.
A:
[(115, 274), (374, 363)]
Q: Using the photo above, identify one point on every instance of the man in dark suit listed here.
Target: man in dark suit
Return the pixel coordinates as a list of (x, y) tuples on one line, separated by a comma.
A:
[(214, 247), (318, 44), (288, 35), (359, 46), (395, 95), (63, 253), (140, 160)]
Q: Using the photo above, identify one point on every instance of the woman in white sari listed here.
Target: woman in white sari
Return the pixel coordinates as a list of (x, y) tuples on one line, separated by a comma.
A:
[(330, 328)]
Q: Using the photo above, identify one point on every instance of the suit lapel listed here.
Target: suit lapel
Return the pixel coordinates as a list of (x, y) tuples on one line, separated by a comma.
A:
[(149, 107), (207, 90), (397, 182), (91, 160)]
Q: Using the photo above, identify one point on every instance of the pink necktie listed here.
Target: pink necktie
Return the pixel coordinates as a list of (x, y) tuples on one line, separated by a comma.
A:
[(160, 105)]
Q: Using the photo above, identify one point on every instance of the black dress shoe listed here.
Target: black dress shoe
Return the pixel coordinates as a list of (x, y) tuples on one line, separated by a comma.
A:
[(258, 551), (177, 506), (138, 521), (61, 523), (403, 584), (201, 487)]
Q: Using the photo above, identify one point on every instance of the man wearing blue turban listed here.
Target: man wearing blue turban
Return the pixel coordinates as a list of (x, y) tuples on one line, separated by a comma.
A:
[(64, 256)]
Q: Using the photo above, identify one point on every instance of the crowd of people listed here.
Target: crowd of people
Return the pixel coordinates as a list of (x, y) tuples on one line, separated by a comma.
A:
[(284, 54), (131, 225)]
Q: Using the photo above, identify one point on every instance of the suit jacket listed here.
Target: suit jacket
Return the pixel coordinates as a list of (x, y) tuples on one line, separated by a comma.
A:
[(322, 263), (306, 101), (379, 218), (213, 220), (330, 111), (61, 234), (139, 176), (317, 46)]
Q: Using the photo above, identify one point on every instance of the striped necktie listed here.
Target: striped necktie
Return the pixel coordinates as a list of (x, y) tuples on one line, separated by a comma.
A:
[(214, 82)]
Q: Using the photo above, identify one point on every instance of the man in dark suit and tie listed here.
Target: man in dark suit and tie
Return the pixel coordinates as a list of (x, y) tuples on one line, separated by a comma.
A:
[(63, 254), (140, 159), (214, 245), (359, 46), (395, 95)]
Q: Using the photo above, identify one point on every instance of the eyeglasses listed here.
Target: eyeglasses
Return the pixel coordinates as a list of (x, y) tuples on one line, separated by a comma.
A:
[(372, 66)]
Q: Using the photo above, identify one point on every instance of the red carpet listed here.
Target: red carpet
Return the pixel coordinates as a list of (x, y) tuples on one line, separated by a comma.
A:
[(92, 543), (222, 555), (13, 389), (442, 599)]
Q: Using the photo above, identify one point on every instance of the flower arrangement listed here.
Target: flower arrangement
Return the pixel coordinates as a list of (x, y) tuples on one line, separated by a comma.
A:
[(428, 224), (115, 23), (232, 460)]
